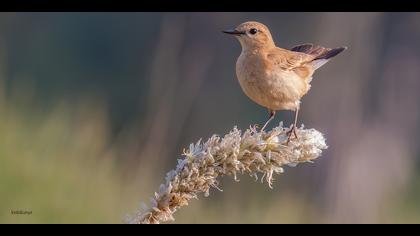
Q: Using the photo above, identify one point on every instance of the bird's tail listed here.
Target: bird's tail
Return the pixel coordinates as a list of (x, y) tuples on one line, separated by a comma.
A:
[(326, 56)]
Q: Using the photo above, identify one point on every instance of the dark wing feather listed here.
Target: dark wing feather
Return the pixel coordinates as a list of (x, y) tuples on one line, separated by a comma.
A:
[(302, 48), (310, 49)]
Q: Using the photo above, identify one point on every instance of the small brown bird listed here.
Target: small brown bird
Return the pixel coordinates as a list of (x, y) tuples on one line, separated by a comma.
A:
[(274, 77)]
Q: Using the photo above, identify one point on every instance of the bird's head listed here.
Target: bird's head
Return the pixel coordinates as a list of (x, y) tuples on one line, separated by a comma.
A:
[(252, 35)]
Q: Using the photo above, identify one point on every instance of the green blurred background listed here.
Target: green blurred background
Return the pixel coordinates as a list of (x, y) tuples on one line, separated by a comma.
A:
[(95, 108)]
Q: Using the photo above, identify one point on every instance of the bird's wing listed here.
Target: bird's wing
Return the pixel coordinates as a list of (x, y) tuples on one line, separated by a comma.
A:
[(303, 59), (321, 54), (298, 62), (288, 60)]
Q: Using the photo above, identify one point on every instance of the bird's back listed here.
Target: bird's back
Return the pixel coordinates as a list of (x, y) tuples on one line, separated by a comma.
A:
[(302, 59)]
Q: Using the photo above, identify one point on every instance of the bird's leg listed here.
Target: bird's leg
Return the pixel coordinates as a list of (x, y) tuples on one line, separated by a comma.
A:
[(293, 129), (295, 123), (272, 114)]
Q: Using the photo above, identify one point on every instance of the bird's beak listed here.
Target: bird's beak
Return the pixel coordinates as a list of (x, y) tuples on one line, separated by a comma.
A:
[(234, 32)]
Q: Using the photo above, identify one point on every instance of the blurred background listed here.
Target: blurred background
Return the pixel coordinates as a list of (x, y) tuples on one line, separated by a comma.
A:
[(95, 108)]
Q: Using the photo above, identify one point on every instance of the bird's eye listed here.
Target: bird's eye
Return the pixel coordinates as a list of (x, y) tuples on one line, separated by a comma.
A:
[(253, 31)]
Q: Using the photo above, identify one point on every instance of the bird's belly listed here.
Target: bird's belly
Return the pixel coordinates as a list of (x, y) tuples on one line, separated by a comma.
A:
[(276, 91)]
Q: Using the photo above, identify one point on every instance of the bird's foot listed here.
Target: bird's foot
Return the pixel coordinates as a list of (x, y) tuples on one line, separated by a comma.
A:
[(289, 134)]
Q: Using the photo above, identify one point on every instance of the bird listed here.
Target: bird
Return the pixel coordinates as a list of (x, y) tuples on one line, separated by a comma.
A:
[(274, 77)]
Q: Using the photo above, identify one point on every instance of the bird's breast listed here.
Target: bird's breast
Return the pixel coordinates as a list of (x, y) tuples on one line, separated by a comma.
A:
[(268, 85)]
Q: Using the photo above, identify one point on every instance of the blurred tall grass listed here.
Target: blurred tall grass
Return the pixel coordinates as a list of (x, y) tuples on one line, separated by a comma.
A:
[(59, 164)]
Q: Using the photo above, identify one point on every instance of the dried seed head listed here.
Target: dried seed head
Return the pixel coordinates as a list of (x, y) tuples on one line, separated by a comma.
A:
[(252, 152)]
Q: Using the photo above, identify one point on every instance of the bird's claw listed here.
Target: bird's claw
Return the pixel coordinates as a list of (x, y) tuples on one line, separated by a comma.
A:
[(254, 128)]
